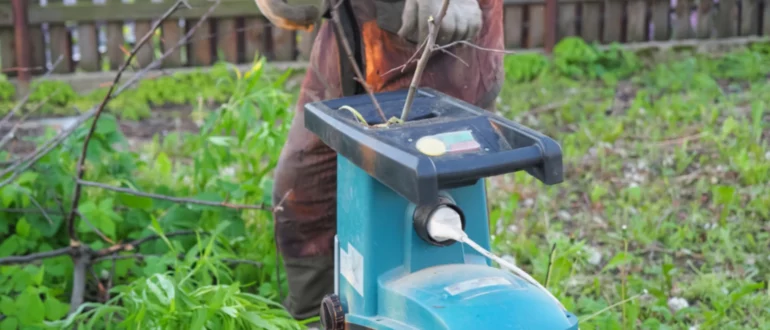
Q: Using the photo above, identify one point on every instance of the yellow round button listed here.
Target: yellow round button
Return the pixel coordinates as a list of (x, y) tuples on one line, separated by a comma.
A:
[(431, 146)]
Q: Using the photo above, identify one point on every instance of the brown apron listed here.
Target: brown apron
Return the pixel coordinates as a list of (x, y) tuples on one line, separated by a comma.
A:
[(306, 171)]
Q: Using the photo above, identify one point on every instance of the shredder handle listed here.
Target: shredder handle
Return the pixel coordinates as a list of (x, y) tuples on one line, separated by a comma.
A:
[(494, 164)]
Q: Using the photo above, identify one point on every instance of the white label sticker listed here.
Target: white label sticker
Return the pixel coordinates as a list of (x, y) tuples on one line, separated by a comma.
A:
[(477, 283), (352, 268)]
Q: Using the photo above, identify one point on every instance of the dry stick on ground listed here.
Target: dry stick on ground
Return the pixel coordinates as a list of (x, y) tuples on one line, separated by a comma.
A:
[(169, 198), (351, 58), (432, 34)]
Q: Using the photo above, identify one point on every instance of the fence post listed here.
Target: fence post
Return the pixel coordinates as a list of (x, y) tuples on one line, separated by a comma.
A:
[(21, 37), (551, 15)]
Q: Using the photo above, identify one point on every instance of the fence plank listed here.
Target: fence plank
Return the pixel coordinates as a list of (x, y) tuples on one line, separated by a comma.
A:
[(119, 11), (705, 24), (727, 19), (171, 34), (637, 21), (682, 26), (255, 37), (145, 54), (37, 49), (7, 51), (590, 22), (88, 46), (567, 15), (61, 45), (284, 44), (200, 45), (306, 43), (115, 45), (750, 17), (661, 10), (613, 22), (766, 19), (536, 26), (227, 39), (512, 22)]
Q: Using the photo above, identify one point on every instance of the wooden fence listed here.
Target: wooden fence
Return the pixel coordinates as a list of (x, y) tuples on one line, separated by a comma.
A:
[(94, 35)]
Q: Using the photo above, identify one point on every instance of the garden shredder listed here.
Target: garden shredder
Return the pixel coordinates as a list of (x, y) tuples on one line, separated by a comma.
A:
[(400, 187)]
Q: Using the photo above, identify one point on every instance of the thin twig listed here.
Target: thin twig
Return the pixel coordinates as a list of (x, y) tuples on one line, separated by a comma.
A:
[(169, 198), (35, 210), (455, 56), (81, 162), (351, 58), (470, 44), (39, 207), (34, 257), (12, 133), (422, 63), (96, 230), (130, 246)]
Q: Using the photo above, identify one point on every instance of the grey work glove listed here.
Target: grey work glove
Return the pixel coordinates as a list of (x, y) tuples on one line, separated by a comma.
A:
[(461, 22), (293, 14)]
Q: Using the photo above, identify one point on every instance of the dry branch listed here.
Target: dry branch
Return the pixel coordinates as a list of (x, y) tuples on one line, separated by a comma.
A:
[(351, 58), (34, 257), (171, 199), (81, 162), (423, 62), (130, 246)]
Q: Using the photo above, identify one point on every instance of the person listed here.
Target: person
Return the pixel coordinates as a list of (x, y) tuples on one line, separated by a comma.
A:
[(390, 32)]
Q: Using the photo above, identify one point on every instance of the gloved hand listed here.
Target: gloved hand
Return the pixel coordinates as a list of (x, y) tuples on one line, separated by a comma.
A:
[(461, 22), (290, 15)]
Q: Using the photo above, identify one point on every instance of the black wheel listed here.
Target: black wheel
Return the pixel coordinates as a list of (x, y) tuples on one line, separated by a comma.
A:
[(332, 315)]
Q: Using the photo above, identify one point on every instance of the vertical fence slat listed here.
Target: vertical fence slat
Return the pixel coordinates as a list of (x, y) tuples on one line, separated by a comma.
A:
[(284, 44), (749, 17), (705, 24), (306, 39), (254, 37), (145, 54), (613, 21), (727, 20), (536, 27), (7, 50), (637, 21), (227, 39), (37, 49), (513, 20), (661, 10), (171, 33), (89, 47), (590, 21), (200, 45), (115, 43), (60, 44), (567, 15), (766, 19), (682, 26)]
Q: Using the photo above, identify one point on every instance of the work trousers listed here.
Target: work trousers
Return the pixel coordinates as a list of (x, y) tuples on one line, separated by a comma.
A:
[(305, 177)]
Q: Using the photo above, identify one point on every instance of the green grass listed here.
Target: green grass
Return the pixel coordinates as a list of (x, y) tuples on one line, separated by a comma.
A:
[(665, 200)]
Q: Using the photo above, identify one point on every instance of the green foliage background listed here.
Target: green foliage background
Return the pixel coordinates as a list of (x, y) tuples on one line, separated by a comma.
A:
[(667, 170)]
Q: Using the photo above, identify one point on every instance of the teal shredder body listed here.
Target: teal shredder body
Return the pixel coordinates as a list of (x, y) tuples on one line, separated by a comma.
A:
[(389, 271)]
